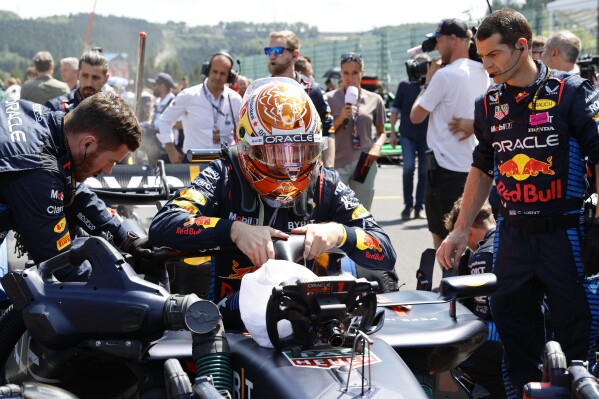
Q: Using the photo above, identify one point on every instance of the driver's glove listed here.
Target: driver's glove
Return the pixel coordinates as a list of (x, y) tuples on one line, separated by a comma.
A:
[(136, 246)]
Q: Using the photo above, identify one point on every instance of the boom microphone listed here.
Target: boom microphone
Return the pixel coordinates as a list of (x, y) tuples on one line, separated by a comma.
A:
[(351, 98), (492, 75)]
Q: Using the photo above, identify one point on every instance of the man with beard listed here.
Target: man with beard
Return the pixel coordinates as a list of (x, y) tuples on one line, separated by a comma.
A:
[(92, 75), (208, 111), (44, 156), (282, 52)]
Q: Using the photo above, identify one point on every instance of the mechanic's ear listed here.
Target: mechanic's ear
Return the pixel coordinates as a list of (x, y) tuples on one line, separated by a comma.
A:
[(88, 143)]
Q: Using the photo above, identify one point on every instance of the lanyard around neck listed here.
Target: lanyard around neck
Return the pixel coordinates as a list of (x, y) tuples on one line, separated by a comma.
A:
[(216, 108)]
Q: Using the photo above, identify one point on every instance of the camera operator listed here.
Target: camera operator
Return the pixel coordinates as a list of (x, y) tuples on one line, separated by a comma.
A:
[(447, 94), (561, 52), (412, 136)]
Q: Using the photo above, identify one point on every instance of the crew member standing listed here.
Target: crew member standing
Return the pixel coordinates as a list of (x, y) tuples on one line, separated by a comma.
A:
[(535, 126)]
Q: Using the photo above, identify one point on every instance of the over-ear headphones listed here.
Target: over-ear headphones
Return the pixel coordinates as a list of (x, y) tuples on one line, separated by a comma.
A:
[(208, 64)]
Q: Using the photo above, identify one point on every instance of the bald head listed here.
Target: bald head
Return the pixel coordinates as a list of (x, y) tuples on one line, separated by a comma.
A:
[(561, 50)]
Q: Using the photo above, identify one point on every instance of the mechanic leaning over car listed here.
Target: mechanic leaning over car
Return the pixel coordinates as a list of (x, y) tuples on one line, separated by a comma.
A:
[(270, 184), (44, 155)]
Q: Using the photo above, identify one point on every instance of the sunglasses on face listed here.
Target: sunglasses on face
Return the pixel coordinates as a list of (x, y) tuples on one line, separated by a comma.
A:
[(347, 57), (276, 50)]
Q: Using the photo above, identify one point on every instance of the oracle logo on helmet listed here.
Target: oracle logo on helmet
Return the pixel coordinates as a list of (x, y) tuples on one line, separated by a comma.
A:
[(279, 138)]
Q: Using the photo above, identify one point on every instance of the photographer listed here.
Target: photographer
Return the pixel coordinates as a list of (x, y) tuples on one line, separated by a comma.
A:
[(448, 93)]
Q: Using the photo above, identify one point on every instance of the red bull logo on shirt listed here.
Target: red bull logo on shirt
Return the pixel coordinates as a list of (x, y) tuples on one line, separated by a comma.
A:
[(365, 241), (530, 193), (189, 227), (521, 167)]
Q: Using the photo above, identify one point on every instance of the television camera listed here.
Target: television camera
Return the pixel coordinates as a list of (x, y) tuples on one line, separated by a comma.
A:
[(589, 65), (417, 70)]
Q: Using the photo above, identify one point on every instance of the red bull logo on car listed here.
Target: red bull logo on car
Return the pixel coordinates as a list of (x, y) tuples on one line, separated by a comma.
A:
[(521, 167)]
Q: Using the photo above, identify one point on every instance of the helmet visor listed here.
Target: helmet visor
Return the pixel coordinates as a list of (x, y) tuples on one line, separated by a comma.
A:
[(284, 155)]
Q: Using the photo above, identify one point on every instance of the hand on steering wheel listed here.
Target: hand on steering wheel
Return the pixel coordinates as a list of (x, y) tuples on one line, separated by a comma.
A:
[(320, 237), (256, 241)]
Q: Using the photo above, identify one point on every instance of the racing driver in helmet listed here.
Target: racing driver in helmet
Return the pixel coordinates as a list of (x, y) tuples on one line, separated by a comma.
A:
[(269, 185)]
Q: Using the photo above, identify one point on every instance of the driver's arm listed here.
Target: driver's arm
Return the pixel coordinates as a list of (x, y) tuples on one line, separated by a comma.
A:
[(191, 220), (341, 218)]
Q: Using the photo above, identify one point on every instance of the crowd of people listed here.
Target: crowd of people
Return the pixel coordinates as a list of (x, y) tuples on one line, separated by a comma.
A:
[(501, 146)]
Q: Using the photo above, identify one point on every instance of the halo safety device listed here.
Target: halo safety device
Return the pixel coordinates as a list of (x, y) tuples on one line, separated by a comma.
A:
[(279, 138)]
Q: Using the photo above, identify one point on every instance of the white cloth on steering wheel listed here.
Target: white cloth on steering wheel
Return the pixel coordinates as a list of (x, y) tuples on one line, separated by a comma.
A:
[(256, 288)]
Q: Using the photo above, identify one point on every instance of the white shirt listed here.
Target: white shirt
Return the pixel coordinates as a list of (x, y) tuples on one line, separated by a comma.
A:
[(160, 107), (451, 93), (199, 112)]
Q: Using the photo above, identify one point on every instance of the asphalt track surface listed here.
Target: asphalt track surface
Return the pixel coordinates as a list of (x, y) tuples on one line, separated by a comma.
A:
[(409, 237)]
